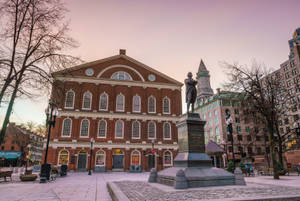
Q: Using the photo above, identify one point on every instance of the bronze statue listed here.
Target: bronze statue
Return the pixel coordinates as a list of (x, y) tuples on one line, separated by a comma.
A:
[(191, 91)]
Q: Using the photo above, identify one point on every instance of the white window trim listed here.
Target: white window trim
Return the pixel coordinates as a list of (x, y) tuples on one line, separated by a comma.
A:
[(99, 129), (167, 165), (107, 99), (122, 130), (62, 130), (139, 130), (71, 90), (154, 130), (154, 104), (90, 101), (132, 154), (123, 103), (169, 105), (139, 103), (60, 154), (88, 129), (125, 73), (104, 158), (170, 131)]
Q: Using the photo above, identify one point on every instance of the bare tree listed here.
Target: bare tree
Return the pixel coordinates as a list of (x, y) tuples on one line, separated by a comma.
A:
[(32, 47), (261, 92)]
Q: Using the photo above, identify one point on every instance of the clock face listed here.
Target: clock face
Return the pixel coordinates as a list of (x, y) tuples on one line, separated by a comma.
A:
[(89, 72), (151, 77)]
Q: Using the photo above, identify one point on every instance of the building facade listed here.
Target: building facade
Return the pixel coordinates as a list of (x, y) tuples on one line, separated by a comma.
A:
[(129, 109), (248, 132), (20, 143)]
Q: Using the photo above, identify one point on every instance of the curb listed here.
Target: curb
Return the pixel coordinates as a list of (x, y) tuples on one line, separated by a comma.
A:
[(115, 192)]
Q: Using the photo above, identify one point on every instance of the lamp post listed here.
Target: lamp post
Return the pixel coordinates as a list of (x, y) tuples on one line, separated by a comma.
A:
[(51, 113), (91, 156), (230, 131), (153, 154), (27, 157)]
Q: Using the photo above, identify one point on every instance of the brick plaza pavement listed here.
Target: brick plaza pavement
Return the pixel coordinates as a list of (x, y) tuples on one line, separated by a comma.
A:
[(82, 187)]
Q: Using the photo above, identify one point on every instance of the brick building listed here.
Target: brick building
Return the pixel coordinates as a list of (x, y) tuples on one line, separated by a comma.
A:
[(15, 147), (123, 105)]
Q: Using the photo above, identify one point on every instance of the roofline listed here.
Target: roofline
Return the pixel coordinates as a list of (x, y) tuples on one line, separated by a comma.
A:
[(116, 57)]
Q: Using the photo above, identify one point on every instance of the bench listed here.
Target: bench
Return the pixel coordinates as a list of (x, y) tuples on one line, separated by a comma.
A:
[(4, 174), (293, 170), (266, 171)]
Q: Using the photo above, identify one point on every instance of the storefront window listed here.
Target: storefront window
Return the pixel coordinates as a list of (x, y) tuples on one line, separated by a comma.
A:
[(63, 157), (100, 158), (135, 158)]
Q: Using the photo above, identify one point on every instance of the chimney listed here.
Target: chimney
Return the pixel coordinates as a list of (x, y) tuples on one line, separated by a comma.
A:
[(218, 90), (122, 51)]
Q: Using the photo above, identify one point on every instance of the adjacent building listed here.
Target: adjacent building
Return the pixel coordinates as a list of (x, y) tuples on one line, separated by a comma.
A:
[(129, 109), (18, 144)]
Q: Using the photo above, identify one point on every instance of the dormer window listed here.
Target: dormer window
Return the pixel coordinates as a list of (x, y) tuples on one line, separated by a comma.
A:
[(121, 75)]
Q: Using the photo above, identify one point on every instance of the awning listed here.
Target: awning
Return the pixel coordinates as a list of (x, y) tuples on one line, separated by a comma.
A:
[(10, 155)]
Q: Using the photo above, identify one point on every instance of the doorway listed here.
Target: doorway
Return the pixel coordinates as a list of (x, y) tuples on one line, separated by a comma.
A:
[(118, 159), (82, 160)]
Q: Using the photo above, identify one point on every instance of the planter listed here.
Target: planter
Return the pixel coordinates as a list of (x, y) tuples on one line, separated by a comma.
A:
[(28, 177)]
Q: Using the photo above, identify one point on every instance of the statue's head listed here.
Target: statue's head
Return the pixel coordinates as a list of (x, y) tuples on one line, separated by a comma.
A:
[(190, 75)]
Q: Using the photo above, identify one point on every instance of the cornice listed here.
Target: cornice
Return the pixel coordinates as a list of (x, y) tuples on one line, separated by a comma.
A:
[(95, 114), (97, 81), (74, 145)]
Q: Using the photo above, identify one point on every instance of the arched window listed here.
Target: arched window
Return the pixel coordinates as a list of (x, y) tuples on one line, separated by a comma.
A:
[(168, 160), (135, 158), (167, 130), (119, 130), (136, 130), (120, 103), (103, 102), (84, 129), (121, 75), (151, 105), (66, 128), (100, 158), (166, 106), (87, 100), (63, 157), (151, 130), (102, 129), (136, 103), (69, 102)]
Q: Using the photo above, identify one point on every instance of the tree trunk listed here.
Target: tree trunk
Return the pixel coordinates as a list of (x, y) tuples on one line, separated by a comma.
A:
[(9, 109), (272, 149), (5, 86)]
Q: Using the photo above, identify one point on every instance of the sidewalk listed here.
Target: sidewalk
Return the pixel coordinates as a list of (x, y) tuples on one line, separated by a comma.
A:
[(292, 181)]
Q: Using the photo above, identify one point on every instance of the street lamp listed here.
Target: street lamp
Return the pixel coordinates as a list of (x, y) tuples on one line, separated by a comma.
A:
[(230, 131), (51, 113), (153, 154), (27, 157), (91, 156)]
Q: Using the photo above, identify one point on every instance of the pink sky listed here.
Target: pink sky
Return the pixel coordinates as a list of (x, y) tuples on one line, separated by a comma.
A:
[(172, 36)]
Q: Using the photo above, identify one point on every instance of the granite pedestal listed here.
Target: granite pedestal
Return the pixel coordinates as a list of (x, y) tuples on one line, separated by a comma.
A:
[(192, 162)]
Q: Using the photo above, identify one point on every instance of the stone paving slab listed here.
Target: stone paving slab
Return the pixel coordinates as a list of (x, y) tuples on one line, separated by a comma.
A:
[(143, 191)]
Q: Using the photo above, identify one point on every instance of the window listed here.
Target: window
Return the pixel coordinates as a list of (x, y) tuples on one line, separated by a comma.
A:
[(249, 138), (69, 102), (136, 103), (136, 130), (209, 114), (238, 129), (120, 103), (102, 129), (66, 131), (87, 100), (103, 102), (217, 130), (259, 150), (216, 112), (166, 106), (236, 111), (218, 139), (256, 130), (216, 120), (2, 147), (247, 129), (167, 130), (230, 148), (168, 158), (241, 150), (135, 158), (84, 129), (151, 104), (100, 158), (12, 148), (151, 130), (240, 138), (121, 75), (119, 129), (249, 150), (258, 138), (237, 120), (204, 116), (63, 157)]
